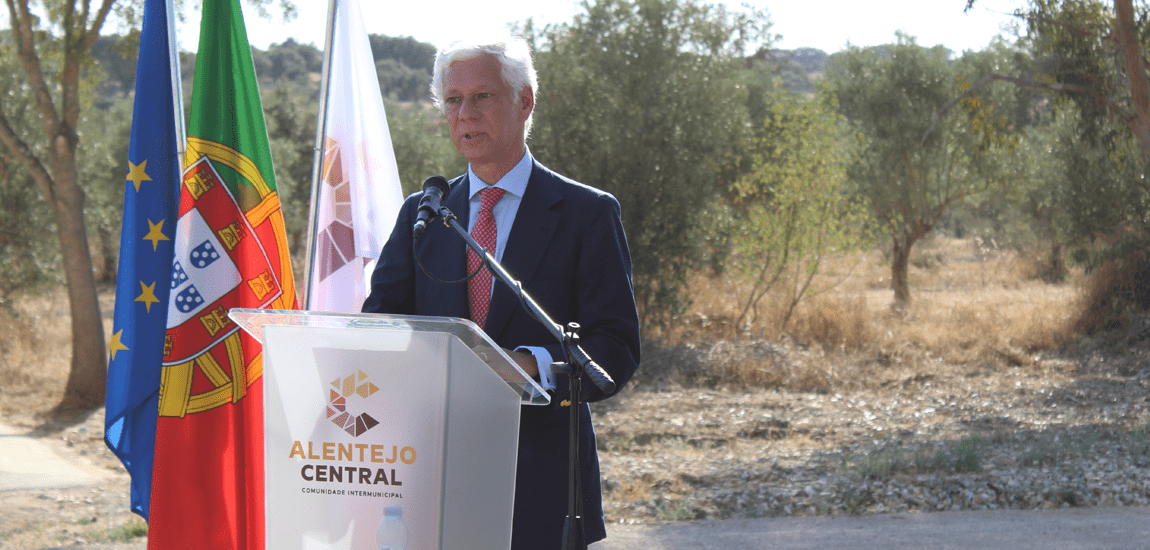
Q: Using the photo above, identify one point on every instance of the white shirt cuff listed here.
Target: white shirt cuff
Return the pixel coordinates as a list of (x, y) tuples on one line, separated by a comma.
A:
[(543, 361)]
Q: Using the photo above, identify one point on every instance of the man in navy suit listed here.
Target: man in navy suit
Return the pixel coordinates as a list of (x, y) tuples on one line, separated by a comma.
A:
[(561, 239)]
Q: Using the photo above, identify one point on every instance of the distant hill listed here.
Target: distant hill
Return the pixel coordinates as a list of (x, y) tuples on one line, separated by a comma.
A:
[(798, 69), (812, 60)]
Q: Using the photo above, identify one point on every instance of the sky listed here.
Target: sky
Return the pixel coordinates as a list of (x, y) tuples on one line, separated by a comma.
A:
[(824, 24)]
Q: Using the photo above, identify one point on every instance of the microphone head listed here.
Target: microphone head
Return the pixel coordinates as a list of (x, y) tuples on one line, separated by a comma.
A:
[(436, 182), (434, 189)]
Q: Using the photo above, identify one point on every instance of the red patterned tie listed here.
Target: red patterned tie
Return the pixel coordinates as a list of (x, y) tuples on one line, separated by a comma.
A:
[(479, 288)]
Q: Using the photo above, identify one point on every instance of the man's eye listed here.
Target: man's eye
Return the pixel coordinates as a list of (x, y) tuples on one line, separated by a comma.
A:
[(484, 95), (452, 100)]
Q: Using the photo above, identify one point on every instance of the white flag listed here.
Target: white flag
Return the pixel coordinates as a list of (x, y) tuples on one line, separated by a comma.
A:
[(359, 195)]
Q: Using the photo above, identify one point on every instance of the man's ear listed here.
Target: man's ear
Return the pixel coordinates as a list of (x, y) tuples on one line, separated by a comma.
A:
[(526, 101)]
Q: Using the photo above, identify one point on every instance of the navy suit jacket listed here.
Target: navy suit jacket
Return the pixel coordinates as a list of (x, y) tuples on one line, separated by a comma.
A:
[(568, 249)]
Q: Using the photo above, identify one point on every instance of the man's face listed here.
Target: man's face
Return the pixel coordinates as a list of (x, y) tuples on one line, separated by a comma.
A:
[(485, 115)]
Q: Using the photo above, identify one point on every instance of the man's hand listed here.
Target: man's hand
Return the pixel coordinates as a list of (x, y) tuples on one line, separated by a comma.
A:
[(526, 361)]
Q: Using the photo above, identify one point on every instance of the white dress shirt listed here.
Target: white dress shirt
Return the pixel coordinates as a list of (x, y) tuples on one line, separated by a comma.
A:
[(514, 185)]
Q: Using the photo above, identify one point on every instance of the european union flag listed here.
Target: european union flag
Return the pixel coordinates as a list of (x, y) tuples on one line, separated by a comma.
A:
[(144, 278)]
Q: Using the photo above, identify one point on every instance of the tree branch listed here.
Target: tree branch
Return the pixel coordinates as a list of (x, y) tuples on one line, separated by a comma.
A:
[(24, 155), (21, 20), (70, 75), (98, 24)]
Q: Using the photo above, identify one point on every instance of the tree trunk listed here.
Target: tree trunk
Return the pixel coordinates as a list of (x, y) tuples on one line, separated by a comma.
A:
[(87, 379), (1056, 270), (900, 258), (1130, 50)]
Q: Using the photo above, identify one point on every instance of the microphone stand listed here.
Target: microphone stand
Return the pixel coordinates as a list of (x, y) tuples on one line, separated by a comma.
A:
[(577, 365)]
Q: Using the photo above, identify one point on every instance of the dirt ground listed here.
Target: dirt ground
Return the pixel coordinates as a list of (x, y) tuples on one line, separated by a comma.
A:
[(1060, 422), (1065, 429), (63, 517)]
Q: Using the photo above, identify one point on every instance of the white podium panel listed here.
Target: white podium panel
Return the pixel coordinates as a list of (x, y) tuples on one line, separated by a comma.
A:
[(387, 431)]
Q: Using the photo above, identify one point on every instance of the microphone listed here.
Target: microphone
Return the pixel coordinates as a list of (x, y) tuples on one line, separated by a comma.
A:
[(434, 190)]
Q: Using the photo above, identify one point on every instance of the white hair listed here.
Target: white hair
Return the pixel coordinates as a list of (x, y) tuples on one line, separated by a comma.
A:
[(512, 52)]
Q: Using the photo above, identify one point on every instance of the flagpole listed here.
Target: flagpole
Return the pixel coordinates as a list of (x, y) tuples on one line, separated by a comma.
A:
[(177, 86), (317, 163)]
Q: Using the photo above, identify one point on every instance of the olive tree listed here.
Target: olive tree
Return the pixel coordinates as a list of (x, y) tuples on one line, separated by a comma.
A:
[(915, 158)]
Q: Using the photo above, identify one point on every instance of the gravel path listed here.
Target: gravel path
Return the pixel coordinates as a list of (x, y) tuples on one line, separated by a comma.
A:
[(1090, 528)]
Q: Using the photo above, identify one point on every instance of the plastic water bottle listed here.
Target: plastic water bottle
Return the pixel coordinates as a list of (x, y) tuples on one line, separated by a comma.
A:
[(392, 534)]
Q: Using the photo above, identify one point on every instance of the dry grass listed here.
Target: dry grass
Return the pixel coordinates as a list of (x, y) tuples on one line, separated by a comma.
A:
[(35, 351), (1115, 292), (33, 358), (972, 304)]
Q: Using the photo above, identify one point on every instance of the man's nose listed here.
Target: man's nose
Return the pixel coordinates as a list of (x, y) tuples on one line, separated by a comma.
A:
[(467, 108)]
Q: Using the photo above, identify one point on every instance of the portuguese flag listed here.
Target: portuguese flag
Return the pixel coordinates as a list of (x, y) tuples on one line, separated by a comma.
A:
[(230, 251)]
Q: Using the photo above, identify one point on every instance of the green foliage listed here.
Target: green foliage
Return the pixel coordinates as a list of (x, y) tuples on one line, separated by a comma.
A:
[(128, 532), (794, 211), (290, 115), (769, 70), (102, 161), (672, 511), (402, 83), (1137, 443), (762, 83), (1017, 120), (910, 165), (967, 455), (30, 251), (404, 67), (1073, 36), (104, 130), (290, 61), (422, 145), (640, 98), (404, 49), (889, 458), (1040, 193), (1050, 448), (116, 58)]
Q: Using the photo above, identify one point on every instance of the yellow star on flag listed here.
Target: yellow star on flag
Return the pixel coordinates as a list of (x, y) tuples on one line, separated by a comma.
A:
[(137, 174), (155, 233), (116, 345), (147, 295)]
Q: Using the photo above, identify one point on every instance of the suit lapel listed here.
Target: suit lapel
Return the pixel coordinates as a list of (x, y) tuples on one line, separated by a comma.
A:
[(444, 254), (535, 223)]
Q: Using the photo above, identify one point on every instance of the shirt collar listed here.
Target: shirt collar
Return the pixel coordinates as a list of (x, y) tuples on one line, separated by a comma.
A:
[(514, 182)]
